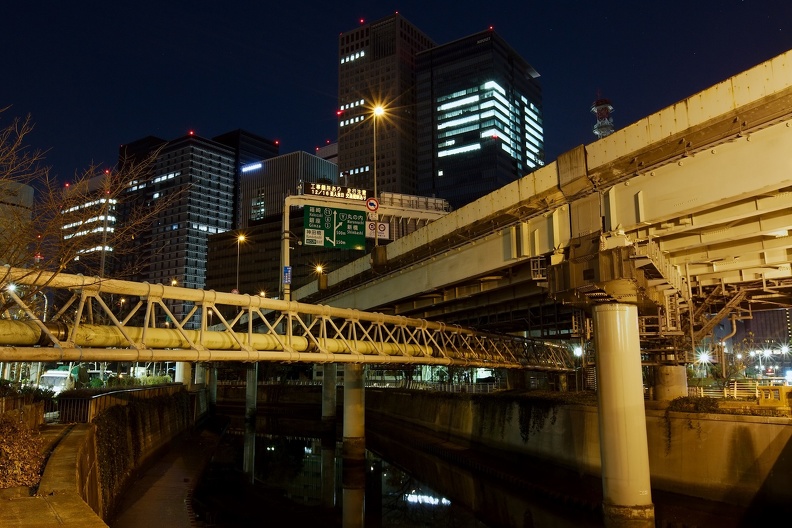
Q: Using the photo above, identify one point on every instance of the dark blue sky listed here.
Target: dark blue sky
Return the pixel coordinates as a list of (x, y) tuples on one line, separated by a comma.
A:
[(96, 74)]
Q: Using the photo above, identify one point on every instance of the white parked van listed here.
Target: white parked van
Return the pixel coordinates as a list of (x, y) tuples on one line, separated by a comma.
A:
[(56, 380)]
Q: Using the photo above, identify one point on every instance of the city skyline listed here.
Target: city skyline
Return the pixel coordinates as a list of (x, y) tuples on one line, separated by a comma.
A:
[(95, 78)]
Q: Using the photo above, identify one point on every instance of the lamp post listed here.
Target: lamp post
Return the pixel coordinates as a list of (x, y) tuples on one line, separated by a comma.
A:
[(578, 351), (378, 111), (240, 239)]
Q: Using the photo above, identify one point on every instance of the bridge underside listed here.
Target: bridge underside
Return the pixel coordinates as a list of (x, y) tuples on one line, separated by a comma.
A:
[(686, 213)]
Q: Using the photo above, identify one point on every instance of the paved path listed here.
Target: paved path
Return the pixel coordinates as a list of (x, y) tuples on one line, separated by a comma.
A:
[(162, 494)]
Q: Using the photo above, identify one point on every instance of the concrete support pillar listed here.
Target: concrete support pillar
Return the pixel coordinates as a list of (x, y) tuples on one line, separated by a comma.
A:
[(328, 470), (373, 506), (354, 413), (353, 477), (563, 383), (329, 391), (199, 377), (251, 393), (670, 382), (211, 384), (184, 374), (249, 455), (515, 379), (626, 486), (353, 515)]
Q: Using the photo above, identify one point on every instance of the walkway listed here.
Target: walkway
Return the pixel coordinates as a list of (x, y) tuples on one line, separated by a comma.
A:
[(162, 493)]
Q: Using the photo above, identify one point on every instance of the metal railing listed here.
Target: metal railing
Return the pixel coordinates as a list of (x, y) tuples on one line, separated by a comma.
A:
[(736, 389), (84, 409)]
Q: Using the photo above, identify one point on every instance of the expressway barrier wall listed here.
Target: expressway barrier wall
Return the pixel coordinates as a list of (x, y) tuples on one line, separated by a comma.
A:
[(720, 457)]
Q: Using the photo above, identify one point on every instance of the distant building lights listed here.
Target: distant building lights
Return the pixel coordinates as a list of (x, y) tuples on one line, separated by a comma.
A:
[(251, 167)]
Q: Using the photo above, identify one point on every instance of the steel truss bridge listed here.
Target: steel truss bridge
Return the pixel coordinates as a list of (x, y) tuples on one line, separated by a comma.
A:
[(94, 324), (686, 213)]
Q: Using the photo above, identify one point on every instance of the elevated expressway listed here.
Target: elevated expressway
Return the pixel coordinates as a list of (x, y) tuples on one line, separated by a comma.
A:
[(685, 214)]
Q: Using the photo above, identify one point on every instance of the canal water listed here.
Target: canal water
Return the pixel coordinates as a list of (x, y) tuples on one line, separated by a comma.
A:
[(289, 471)]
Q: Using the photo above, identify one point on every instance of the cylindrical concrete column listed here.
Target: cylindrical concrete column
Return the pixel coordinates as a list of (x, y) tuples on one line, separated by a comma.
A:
[(249, 455), (184, 374), (515, 379), (563, 383), (328, 470), (329, 391), (353, 450), (199, 375), (354, 428), (626, 486), (211, 382), (670, 382), (352, 514), (251, 392)]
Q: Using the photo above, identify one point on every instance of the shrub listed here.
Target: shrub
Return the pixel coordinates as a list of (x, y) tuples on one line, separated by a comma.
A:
[(21, 456)]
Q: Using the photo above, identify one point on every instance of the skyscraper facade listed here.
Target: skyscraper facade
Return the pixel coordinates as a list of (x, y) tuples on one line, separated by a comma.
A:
[(248, 149), (89, 217), (252, 264), (190, 192), (479, 118), (377, 67), (265, 184)]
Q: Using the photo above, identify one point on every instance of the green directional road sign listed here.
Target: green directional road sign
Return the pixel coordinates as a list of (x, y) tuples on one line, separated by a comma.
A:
[(331, 227)]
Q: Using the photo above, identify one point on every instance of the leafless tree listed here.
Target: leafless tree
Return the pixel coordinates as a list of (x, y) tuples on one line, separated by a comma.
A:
[(47, 226)]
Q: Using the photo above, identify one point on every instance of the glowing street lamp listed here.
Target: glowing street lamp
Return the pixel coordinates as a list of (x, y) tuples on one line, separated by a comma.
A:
[(321, 277), (379, 111), (240, 239)]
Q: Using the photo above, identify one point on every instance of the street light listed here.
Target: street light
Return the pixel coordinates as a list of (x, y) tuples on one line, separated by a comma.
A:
[(240, 239), (378, 112)]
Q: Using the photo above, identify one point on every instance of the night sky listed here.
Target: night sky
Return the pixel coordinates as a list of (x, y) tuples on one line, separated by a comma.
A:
[(94, 75)]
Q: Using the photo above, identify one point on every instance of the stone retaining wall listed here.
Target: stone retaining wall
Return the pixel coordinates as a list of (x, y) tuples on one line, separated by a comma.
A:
[(86, 464), (727, 458)]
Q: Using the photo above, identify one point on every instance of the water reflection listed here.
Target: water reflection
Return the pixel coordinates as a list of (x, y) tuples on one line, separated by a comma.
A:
[(289, 471)]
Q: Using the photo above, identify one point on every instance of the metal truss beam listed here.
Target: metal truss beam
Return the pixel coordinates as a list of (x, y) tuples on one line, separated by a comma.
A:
[(91, 327)]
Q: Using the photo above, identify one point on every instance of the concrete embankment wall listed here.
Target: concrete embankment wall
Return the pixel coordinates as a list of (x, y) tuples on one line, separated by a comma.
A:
[(96, 461), (728, 458)]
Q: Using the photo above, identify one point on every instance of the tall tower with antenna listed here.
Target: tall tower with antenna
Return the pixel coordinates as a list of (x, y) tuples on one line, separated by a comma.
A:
[(602, 108)]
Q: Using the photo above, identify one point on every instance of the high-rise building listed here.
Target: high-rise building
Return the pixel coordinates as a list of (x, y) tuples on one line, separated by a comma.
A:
[(328, 152), (89, 218), (377, 67), (16, 217), (479, 117), (249, 149), (264, 184), (191, 194), (252, 264)]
